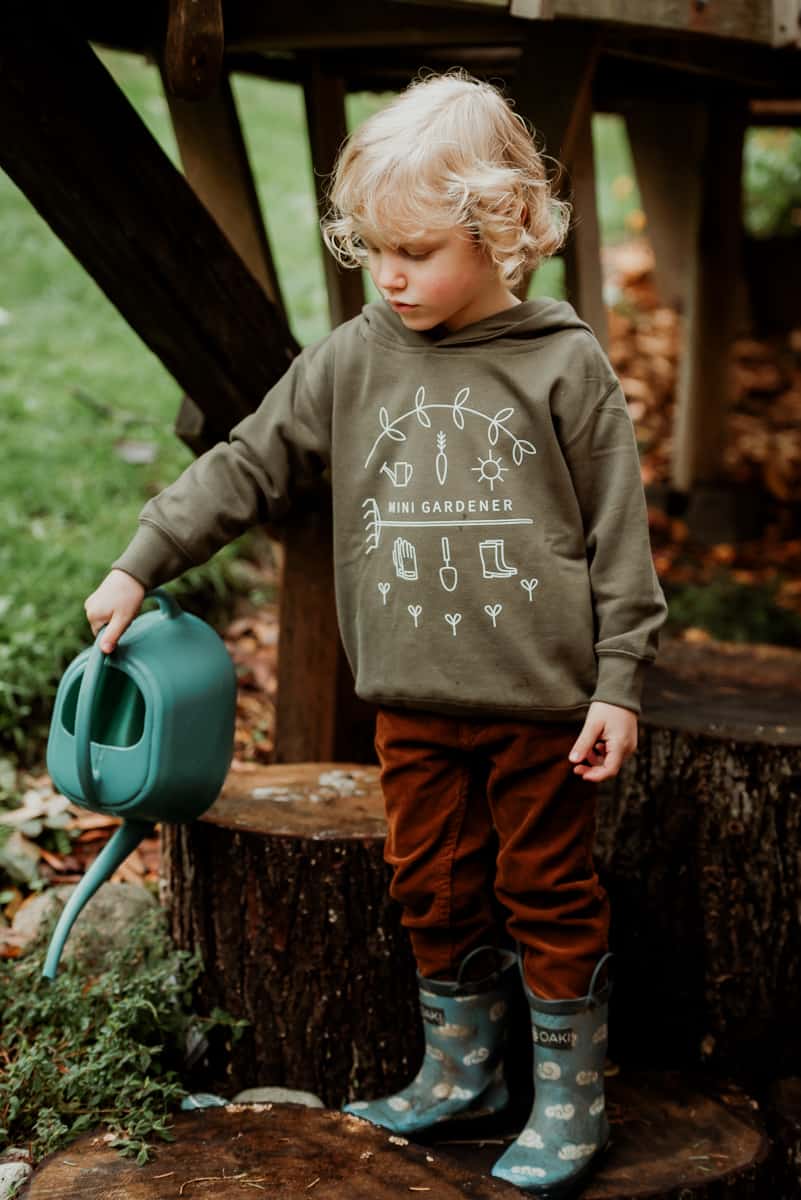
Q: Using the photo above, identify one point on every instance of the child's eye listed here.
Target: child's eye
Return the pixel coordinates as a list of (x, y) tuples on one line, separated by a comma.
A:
[(417, 254)]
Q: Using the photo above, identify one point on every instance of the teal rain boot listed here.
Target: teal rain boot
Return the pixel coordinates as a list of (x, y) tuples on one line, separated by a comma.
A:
[(568, 1128), (462, 1072)]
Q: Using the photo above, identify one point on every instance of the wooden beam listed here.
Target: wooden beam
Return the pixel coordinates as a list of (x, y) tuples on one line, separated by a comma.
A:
[(327, 125), (713, 288), (772, 22), (88, 164), (553, 90), (583, 270), (667, 139), (215, 161), (553, 85), (193, 51)]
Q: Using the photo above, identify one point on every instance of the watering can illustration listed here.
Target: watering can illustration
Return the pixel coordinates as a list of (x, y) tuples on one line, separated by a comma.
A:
[(145, 733)]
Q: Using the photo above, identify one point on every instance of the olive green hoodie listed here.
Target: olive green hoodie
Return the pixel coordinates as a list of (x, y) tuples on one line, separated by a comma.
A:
[(490, 533)]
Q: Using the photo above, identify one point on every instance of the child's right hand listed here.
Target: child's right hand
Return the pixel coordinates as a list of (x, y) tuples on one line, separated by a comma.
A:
[(115, 604)]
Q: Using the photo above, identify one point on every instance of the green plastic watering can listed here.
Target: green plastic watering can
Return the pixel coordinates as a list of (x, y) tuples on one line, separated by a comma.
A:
[(145, 733)]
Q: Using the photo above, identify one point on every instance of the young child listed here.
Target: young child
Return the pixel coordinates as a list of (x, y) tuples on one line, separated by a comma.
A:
[(495, 591)]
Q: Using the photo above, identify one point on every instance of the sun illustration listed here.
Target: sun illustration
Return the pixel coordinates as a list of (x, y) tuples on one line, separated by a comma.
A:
[(490, 471)]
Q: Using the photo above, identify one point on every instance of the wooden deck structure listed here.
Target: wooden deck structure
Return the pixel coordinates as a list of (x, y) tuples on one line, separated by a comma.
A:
[(687, 75)]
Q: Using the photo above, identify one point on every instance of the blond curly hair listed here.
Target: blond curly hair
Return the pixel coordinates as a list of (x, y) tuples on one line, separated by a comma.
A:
[(448, 151)]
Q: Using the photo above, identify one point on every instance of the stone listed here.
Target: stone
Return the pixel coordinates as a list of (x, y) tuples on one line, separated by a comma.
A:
[(277, 1095), (13, 1176), (101, 926)]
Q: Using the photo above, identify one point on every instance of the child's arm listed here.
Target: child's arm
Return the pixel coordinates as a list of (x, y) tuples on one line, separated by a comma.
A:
[(249, 479), (601, 453)]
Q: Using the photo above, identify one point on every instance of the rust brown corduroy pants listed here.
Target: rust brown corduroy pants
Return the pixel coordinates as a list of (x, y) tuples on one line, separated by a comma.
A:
[(476, 807)]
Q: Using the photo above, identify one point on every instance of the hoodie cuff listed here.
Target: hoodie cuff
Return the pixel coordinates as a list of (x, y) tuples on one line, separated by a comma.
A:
[(620, 680), (152, 558)]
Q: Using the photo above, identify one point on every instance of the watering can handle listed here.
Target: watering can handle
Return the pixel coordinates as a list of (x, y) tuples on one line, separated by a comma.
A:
[(97, 660)]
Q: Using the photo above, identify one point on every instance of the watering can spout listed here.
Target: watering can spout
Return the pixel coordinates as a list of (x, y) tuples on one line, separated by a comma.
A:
[(123, 843)]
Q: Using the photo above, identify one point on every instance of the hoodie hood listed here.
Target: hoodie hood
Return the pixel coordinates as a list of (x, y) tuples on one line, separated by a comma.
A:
[(529, 320)]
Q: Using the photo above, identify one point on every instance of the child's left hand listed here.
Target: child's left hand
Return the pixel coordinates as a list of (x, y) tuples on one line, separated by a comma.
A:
[(608, 738)]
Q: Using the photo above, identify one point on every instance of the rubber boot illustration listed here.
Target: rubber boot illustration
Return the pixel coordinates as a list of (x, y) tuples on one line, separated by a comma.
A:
[(555, 1153), (464, 1024), (493, 562)]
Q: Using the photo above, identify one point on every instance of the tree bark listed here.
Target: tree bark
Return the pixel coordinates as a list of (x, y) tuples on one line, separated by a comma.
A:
[(283, 888), (699, 847)]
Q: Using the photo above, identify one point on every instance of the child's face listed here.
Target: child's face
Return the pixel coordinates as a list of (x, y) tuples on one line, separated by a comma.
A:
[(442, 278)]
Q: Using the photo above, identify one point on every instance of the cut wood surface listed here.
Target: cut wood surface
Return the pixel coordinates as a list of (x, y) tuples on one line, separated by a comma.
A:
[(749, 694), (317, 800), (282, 1151), (669, 1140)]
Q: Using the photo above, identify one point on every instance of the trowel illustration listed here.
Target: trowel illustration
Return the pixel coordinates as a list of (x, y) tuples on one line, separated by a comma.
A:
[(448, 575), (493, 563)]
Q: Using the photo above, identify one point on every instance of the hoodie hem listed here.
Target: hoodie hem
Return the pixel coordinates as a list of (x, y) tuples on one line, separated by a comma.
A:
[(452, 708)]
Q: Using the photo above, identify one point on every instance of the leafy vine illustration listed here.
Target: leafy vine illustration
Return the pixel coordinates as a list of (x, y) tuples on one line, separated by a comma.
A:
[(458, 408)]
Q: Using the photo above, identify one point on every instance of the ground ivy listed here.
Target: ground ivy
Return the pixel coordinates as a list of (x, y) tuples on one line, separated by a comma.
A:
[(101, 1051)]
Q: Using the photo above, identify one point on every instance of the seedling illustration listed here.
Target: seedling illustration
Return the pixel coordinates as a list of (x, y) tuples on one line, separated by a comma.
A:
[(384, 590), (453, 620), (414, 612), (493, 611), (529, 585)]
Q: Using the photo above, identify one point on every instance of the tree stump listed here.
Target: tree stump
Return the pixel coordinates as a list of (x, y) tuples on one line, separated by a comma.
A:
[(699, 846), (669, 1143), (669, 1138), (282, 1151), (283, 888)]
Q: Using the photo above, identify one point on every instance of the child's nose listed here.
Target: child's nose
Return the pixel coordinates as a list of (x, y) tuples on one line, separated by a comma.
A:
[(390, 274)]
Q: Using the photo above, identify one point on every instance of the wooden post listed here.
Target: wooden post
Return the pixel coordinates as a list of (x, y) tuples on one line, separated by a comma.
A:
[(583, 273), (553, 90), (327, 124), (667, 140), (712, 291), (194, 47)]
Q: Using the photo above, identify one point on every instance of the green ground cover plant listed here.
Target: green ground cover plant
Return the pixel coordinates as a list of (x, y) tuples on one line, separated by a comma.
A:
[(106, 1050)]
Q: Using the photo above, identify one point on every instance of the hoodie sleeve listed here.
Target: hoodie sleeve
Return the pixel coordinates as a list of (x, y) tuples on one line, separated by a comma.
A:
[(251, 478), (627, 599)]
